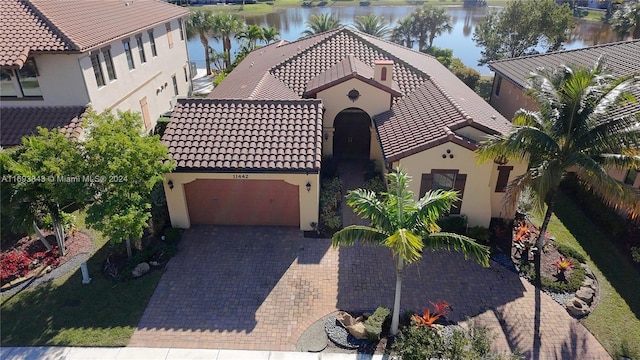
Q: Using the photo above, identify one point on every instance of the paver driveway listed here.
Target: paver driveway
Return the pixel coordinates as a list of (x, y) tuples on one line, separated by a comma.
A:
[(260, 288)]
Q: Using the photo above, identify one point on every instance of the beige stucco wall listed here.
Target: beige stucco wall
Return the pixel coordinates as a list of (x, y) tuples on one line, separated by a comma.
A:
[(480, 202), (177, 204), (510, 100), (372, 100), (151, 79)]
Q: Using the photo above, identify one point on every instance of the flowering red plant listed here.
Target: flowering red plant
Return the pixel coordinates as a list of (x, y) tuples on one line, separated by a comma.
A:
[(428, 318), (563, 264), (441, 307)]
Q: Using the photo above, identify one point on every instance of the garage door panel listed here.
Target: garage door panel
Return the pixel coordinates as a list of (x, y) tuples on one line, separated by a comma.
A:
[(243, 202)]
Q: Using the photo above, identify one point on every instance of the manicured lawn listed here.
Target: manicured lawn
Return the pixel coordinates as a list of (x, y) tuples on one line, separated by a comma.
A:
[(65, 312), (264, 8), (616, 320)]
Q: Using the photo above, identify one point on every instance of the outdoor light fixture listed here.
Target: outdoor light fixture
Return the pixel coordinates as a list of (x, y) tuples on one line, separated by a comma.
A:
[(170, 184), (353, 95), (308, 186)]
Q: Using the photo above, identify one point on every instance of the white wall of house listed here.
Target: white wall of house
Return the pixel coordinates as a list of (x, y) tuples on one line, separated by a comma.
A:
[(152, 79)]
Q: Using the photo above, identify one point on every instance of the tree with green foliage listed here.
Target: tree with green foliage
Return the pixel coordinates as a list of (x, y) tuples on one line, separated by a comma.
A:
[(124, 165), (626, 19), (372, 25), (270, 35), (405, 226), (522, 27), (444, 56), (320, 23), (44, 179), (251, 34), (225, 26), (201, 23), (429, 22), (578, 130), (402, 33)]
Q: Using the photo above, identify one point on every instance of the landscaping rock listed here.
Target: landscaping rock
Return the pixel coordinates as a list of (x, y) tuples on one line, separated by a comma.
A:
[(154, 263), (340, 336), (585, 294), (140, 269), (588, 271), (588, 282), (577, 307)]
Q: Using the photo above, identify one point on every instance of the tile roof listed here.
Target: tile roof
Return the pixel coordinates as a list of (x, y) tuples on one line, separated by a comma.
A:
[(18, 122), (78, 26), (23, 31), (622, 58), (246, 135), (421, 80), (348, 68)]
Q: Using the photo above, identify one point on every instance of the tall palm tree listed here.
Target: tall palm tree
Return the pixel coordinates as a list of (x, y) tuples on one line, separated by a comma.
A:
[(429, 22), (201, 23), (320, 23), (251, 34), (627, 18), (372, 25), (270, 34), (577, 130), (226, 25), (403, 32), (406, 227)]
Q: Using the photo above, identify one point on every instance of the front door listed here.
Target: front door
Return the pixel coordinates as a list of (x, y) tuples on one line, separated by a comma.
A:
[(352, 135)]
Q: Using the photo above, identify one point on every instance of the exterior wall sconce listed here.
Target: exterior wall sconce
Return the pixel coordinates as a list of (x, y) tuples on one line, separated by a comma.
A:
[(353, 95), (326, 136), (170, 184), (308, 186)]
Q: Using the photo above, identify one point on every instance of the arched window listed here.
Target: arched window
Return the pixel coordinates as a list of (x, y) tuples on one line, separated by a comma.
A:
[(383, 74)]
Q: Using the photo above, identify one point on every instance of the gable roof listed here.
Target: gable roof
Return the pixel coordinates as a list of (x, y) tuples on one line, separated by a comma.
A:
[(74, 26), (246, 135), (18, 122), (622, 58), (423, 83)]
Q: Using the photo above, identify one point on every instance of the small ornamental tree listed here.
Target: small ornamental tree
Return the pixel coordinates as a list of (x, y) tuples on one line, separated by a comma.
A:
[(124, 165)]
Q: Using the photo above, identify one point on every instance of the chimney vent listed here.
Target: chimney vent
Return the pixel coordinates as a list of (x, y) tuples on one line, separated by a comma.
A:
[(383, 71)]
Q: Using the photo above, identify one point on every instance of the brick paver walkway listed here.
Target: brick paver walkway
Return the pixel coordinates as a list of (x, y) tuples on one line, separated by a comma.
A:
[(260, 288)]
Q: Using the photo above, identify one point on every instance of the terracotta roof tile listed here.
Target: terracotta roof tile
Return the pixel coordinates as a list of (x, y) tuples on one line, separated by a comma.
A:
[(18, 122), (52, 25), (227, 134), (622, 58), (23, 31)]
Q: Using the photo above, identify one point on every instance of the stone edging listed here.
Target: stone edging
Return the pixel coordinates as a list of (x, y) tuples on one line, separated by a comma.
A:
[(587, 297)]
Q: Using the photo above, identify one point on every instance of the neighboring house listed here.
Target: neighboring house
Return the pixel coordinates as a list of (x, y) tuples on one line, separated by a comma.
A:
[(508, 95), (107, 54), (251, 153)]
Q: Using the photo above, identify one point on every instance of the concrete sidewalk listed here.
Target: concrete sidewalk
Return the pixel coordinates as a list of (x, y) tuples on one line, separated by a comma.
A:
[(135, 353)]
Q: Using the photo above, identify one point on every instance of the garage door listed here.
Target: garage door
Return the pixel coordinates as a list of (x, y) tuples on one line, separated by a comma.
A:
[(243, 202)]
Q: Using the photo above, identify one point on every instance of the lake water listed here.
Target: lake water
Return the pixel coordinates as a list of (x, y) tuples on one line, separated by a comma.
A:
[(291, 23)]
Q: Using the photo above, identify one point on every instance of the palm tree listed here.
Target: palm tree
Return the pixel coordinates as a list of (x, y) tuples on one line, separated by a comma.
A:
[(270, 34), (372, 25), (201, 23), (575, 130), (405, 226), (626, 18), (227, 25), (429, 22), (403, 32), (251, 34), (320, 23)]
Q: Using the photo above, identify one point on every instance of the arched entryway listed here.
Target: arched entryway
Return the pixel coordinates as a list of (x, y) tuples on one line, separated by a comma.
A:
[(352, 134)]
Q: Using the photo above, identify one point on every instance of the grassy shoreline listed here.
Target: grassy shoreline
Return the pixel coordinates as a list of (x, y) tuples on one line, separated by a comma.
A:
[(262, 8)]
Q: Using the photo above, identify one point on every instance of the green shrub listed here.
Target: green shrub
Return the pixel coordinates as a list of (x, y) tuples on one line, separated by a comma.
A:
[(68, 221), (484, 87), (479, 233), (373, 325), (376, 184), (330, 197), (161, 126), (218, 79), (172, 235), (469, 76), (453, 224), (635, 254), (571, 252), (159, 209)]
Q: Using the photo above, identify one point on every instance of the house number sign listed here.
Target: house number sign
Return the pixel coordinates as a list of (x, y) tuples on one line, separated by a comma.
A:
[(240, 176)]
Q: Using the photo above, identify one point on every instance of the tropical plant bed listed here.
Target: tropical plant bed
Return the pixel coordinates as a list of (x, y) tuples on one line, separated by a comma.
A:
[(25, 257), (564, 274)]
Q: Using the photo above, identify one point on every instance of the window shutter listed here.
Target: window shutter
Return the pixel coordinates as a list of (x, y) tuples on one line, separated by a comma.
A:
[(461, 180), (503, 178), (425, 184)]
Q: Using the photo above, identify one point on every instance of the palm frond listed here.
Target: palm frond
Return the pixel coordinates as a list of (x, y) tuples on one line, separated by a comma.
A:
[(433, 205), (406, 245), (358, 233), (366, 204), (456, 242)]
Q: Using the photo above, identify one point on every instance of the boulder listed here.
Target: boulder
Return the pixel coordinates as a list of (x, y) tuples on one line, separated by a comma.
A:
[(588, 271), (585, 294), (588, 282), (355, 326), (577, 307), (140, 269)]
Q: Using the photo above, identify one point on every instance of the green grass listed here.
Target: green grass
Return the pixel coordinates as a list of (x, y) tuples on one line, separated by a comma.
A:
[(65, 312), (263, 8), (616, 320)]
